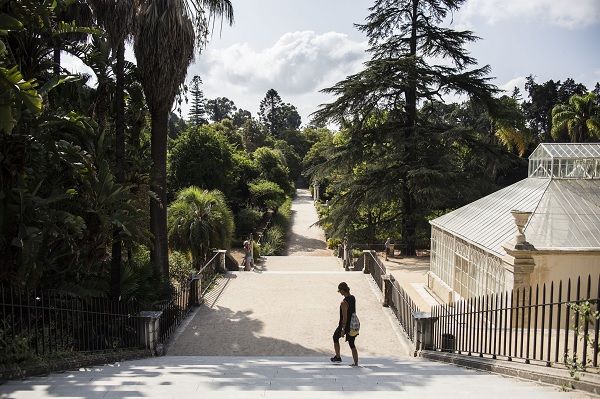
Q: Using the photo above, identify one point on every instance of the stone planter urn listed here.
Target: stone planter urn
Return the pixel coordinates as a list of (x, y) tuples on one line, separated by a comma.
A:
[(521, 218)]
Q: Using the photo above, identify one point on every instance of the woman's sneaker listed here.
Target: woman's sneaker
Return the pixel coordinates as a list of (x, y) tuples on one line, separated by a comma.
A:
[(336, 359)]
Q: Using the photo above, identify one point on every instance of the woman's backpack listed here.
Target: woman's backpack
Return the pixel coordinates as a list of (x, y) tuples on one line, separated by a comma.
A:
[(354, 325)]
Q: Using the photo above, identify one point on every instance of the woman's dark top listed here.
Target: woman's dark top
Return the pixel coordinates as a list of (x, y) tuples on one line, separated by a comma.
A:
[(351, 301)]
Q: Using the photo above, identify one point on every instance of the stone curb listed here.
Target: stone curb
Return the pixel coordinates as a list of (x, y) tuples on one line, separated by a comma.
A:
[(61, 365), (560, 377)]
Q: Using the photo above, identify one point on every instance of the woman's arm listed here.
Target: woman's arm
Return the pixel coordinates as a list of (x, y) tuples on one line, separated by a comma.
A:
[(344, 316)]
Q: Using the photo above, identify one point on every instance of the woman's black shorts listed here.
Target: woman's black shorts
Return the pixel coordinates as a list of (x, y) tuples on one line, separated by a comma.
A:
[(338, 334)]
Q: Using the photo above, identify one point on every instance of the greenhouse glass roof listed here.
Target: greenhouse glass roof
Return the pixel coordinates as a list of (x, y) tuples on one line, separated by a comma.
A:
[(565, 215), (565, 161)]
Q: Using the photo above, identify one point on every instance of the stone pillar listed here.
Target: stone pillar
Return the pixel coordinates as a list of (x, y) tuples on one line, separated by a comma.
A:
[(519, 259), (388, 280), (519, 262), (196, 290), (221, 267), (367, 261), (423, 331), (151, 328)]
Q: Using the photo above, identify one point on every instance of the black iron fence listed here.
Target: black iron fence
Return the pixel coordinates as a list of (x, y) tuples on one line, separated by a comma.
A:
[(47, 323), (51, 323), (394, 295), (555, 324), (398, 249), (404, 308), (187, 295)]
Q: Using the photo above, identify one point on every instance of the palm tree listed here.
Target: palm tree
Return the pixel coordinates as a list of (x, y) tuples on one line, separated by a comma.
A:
[(117, 18), (198, 220), (167, 34), (580, 118), (77, 12)]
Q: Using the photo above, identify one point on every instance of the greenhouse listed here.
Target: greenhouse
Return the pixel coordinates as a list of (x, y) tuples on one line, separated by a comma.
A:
[(566, 161), (471, 249)]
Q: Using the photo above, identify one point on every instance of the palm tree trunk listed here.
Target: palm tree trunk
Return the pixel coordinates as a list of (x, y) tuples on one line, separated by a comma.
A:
[(158, 209), (56, 60), (115, 272)]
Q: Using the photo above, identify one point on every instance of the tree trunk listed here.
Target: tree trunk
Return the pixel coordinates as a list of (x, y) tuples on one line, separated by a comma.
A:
[(409, 226), (115, 272), (56, 60), (408, 218), (158, 209)]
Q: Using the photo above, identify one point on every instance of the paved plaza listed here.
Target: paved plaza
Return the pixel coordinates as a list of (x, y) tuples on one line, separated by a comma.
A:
[(267, 334), (181, 377)]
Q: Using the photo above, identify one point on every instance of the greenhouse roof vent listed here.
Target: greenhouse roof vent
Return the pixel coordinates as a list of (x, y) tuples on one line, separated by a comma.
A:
[(565, 161)]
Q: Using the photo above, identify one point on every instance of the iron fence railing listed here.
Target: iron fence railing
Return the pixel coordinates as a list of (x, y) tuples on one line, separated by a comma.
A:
[(396, 297), (404, 308), (187, 295), (398, 248), (52, 322), (555, 324)]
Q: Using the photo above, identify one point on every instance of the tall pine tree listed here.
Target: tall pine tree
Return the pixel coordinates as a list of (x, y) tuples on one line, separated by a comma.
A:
[(270, 112), (391, 142), (197, 115)]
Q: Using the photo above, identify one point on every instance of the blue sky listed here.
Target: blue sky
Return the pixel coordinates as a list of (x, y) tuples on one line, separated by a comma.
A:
[(300, 47)]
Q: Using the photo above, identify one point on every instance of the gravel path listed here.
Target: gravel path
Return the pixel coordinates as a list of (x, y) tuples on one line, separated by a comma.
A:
[(306, 238)]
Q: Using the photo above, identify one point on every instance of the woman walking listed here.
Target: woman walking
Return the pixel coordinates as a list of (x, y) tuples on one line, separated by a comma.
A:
[(347, 308)]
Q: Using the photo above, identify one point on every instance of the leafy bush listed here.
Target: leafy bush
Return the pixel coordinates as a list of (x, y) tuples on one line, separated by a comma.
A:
[(333, 243), (139, 280), (266, 194), (199, 220), (246, 221), (13, 349), (273, 167), (267, 249), (180, 266), (256, 250), (200, 157), (356, 253), (274, 243)]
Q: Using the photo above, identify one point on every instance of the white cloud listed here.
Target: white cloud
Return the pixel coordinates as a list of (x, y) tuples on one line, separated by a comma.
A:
[(297, 65), (518, 82), (566, 13)]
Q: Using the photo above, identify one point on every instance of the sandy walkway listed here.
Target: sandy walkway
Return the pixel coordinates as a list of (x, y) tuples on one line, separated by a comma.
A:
[(306, 239), (287, 310)]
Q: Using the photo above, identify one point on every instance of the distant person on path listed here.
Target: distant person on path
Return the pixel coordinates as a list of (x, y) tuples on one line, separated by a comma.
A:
[(347, 308), (387, 245), (248, 262)]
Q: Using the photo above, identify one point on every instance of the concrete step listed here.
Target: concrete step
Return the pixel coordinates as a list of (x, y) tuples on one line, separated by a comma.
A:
[(300, 263), (277, 377)]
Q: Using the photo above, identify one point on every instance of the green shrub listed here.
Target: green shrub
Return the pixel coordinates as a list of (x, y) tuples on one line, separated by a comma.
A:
[(246, 221), (199, 220), (138, 279), (267, 249), (180, 266), (13, 349), (266, 195), (356, 253), (274, 243), (333, 243), (256, 250)]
